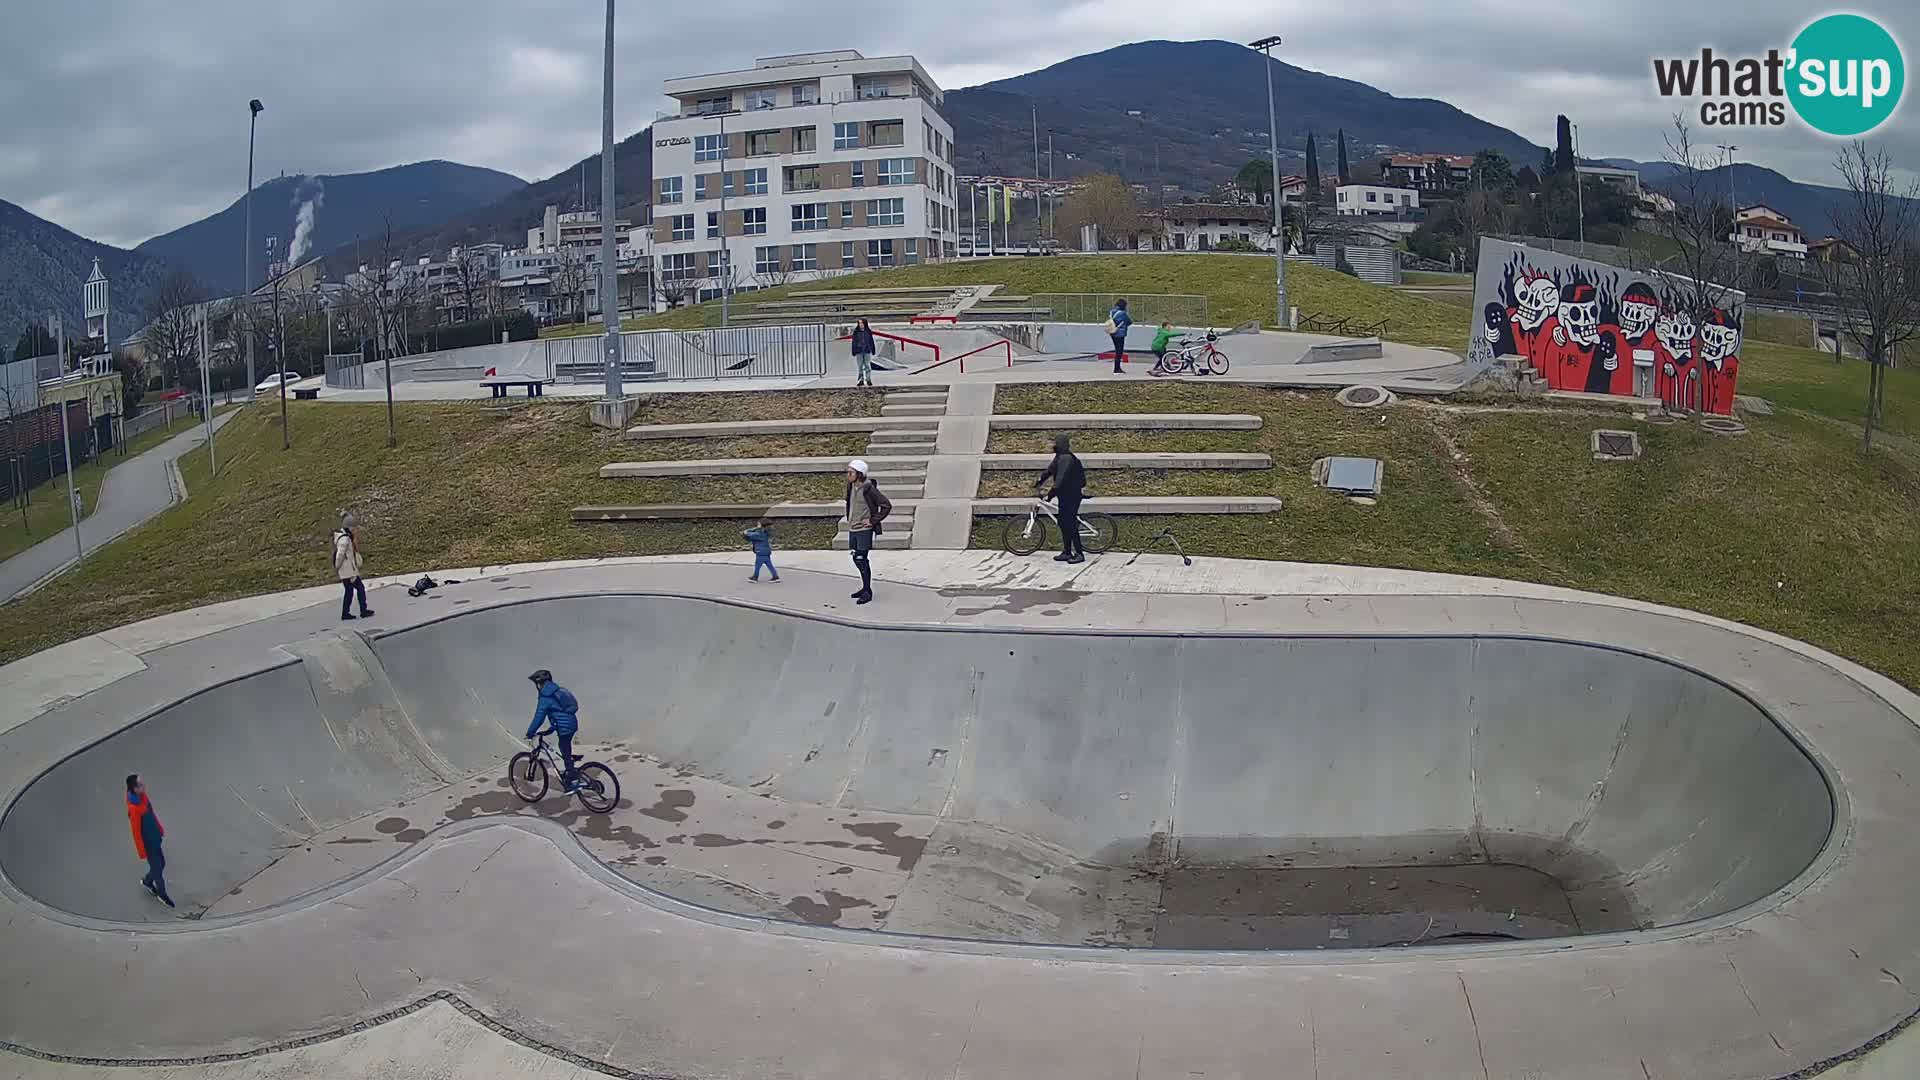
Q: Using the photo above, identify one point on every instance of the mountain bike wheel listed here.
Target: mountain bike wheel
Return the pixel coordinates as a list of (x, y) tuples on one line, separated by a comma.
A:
[(599, 789), (1217, 362), (1024, 535), (1098, 532), (527, 775)]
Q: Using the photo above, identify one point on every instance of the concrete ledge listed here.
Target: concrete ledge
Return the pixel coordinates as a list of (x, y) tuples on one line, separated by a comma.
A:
[(1202, 504), (1036, 462), (1136, 421), (903, 511), (882, 465), (1616, 401), (1333, 352), (815, 426)]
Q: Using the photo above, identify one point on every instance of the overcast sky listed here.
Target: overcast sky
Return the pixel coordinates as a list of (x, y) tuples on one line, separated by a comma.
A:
[(127, 118)]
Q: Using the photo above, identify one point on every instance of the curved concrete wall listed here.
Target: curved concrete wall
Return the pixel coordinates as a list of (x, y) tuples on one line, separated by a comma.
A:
[(1592, 764)]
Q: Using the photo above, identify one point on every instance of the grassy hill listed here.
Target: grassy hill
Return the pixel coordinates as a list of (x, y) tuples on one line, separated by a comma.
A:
[(1239, 289)]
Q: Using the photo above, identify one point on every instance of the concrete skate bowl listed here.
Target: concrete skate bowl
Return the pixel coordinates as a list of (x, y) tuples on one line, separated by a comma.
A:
[(1199, 792)]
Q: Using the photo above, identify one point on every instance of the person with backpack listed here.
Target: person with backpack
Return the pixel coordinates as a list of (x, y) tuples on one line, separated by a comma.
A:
[(558, 708), (1117, 323), (867, 507), (1069, 486), (346, 564), (863, 352), (147, 838)]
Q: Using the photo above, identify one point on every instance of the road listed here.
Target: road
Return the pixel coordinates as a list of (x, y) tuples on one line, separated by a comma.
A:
[(134, 490)]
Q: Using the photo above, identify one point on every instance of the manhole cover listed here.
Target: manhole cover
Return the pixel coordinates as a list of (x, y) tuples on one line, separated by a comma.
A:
[(1364, 397), (1615, 445), (1723, 425), (1349, 475)]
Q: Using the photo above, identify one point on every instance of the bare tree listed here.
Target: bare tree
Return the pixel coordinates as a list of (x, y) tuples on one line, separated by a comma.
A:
[(10, 402), (1704, 269), (1106, 201), (676, 289), (473, 279), (569, 276), (1479, 213), (172, 334), (1880, 225)]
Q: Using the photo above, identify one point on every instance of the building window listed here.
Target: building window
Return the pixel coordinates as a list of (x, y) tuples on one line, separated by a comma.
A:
[(708, 147), (756, 182), (702, 188), (683, 226), (896, 171), (913, 251), (859, 174), (713, 224), (753, 221), (846, 215), (879, 253), (678, 267), (933, 140), (846, 136), (762, 99), (718, 263), (1370, 197), (803, 178), (805, 257), (803, 140), (713, 105), (809, 217), (886, 211), (766, 260), (846, 253), (870, 90), (672, 189), (807, 94), (760, 143), (887, 133)]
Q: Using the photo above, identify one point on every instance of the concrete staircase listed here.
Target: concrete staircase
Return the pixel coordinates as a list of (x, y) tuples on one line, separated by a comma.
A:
[(903, 481)]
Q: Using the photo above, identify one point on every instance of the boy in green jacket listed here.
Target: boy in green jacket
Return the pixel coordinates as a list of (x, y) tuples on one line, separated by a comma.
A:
[(1160, 342)]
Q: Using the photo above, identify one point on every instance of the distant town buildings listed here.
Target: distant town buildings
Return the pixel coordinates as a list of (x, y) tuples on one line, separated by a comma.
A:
[(1428, 172), (1373, 199), (1761, 228)]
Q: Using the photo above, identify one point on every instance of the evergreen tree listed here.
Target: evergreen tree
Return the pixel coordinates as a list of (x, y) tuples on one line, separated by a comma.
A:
[(1546, 165), (1563, 145), (1313, 170), (1346, 176)]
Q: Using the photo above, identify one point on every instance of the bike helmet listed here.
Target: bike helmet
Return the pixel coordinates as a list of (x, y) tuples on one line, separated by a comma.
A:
[(541, 676)]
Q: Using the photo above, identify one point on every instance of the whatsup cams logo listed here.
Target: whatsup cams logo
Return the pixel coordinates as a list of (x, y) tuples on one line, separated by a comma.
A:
[(1842, 75)]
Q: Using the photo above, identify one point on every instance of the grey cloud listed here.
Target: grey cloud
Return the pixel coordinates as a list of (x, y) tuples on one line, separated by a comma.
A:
[(128, 118)]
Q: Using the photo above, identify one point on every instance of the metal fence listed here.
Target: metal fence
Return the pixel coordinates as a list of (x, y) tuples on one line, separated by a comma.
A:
[(1146, 308), (1370, 263), (741, 352), (158, 415), (346, 371)]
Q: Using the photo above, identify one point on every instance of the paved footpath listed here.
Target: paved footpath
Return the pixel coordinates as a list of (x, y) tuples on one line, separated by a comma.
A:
[(134, 490)]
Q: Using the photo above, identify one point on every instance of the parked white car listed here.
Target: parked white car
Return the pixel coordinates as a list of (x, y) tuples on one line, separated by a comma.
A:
[(271, 384)]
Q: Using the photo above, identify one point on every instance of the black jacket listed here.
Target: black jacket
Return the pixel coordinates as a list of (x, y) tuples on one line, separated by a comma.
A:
[(862, 340), (1068, 475)]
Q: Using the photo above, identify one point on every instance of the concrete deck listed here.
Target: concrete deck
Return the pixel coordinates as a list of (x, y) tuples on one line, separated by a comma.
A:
[(1779, 942), (1125, 421), (905, 509), (991, 462)]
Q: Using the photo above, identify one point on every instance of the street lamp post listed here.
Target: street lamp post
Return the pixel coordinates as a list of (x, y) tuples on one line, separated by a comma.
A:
[(254, 109), (609, 246), (1036, 174), (726, 265), (1733, 211), (1266, 45), (66, 441), (1579, 191), (280, 363)]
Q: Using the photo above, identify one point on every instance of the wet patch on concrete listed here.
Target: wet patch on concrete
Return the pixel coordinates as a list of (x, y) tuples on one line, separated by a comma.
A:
[(887, 840), (672, 805), (392, 825), (1013, 601), (827, 910)]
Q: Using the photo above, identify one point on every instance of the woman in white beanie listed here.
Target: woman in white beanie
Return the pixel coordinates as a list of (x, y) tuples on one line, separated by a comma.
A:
[(864, 516)]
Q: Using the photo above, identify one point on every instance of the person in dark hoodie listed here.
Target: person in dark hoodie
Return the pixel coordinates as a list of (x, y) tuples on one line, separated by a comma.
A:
[(559, 707), (863, 352), (1069, 485), (147, 838)]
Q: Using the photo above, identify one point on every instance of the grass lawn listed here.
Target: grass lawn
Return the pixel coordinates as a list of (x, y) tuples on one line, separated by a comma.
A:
[(1813, 382), (46, 511), (1435, 277), (1239, 290)]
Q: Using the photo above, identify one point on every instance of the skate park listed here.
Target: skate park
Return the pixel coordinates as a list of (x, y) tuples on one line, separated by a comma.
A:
[(1475, 827)]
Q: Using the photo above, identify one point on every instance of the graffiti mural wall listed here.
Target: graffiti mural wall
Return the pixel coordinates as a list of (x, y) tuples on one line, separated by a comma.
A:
[(1603, 329)]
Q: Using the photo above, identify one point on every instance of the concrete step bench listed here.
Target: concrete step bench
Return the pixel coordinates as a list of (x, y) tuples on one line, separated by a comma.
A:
[(825, 425), (835, 510), (916, 397), (1124, 421), (1141, 504), (926, 448), (935, 291), (890, 540), (902, 435), (882, 464), (1036, 462), (1006, 315), (913, 410)]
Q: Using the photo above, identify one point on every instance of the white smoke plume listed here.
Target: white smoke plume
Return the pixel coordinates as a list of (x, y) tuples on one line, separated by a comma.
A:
[(303, 223)]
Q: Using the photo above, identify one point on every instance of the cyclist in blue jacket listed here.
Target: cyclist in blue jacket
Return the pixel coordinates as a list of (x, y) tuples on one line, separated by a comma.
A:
[(559, 708)]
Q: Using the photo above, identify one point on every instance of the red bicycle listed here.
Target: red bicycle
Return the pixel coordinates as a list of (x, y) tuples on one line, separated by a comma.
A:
[(1187, 357)]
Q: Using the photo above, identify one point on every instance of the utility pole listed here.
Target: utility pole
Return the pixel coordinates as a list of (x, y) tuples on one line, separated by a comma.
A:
[(609, 245), (1579, 191), (1266, 45), (206, 384), (1733, 213), (726, 267), (280, 362), (254, 109), (1050, 192), (66, 441), (1036, 174)]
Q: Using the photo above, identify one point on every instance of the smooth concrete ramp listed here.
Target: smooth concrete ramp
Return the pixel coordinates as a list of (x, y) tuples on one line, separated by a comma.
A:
[(1057, 788)]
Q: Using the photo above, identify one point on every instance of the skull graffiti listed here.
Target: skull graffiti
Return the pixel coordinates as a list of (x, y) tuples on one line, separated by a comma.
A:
[(1538, 299), (1580, 313), (1675, 329), (1638, 309), (1718, 338)]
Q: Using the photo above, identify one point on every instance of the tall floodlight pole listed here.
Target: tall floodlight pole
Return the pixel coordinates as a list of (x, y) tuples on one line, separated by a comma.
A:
[(1266, 45), (206, 385), (1733, 210), (609, 247), (1579, 191), (254, 109), (66, 441), (726, 265), (280, 363), (1036, 174)]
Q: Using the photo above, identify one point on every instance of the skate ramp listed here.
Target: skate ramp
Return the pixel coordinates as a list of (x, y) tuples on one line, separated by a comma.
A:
[(1070, 788)]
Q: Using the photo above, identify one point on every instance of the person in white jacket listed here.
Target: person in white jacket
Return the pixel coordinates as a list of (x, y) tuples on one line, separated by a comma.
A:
[(346, 564)]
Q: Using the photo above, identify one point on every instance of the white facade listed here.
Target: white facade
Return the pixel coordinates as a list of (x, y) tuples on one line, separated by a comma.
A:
[(1363, 199), (833, 162), (1766, 230)]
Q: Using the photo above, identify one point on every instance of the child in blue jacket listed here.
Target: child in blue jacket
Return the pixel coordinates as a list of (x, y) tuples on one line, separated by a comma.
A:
[(761, 537)]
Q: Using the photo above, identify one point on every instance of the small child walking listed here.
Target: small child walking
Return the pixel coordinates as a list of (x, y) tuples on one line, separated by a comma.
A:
[(1162, 338), (761, 537)]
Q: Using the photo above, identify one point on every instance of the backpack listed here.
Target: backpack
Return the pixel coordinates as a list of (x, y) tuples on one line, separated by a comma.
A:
[(564, 700)]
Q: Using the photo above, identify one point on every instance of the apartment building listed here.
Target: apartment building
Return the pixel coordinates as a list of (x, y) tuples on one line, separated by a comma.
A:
[(1359, 200), (803, 166)]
